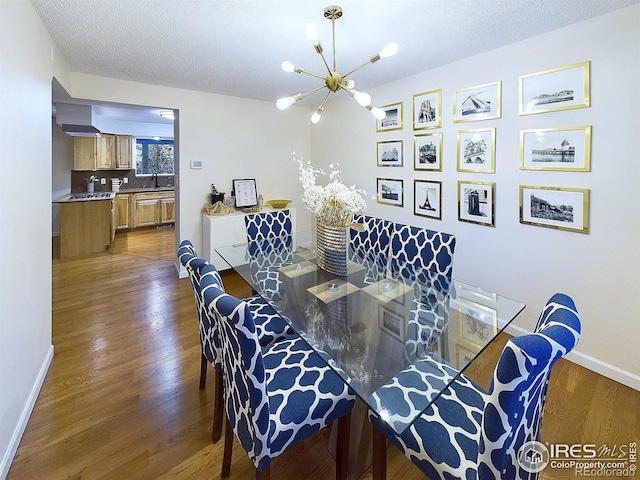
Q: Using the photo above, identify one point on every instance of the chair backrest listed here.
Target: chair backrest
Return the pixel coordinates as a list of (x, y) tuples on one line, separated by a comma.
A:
[(415, 249), (515, 403), (268, 224), (203, 275), (245, 393)]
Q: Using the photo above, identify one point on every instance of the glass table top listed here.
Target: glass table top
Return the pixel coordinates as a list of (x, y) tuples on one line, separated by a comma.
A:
[(375, 327)]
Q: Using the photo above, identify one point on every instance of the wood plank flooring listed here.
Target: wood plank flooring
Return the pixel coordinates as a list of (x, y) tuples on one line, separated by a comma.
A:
[(121, 399)]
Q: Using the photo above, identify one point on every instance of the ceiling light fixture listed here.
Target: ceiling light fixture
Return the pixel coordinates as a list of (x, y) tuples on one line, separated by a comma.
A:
[(334, 81)]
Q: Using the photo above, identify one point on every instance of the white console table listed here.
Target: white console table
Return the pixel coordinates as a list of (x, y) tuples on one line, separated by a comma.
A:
[(219, 231)]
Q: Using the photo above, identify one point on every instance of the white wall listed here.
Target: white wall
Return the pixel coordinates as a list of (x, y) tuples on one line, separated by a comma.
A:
[(600, 270), (28, 65), (233, 137)]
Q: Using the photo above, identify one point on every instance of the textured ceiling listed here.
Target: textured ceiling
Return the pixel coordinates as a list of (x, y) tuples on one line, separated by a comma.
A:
[(236, 47)]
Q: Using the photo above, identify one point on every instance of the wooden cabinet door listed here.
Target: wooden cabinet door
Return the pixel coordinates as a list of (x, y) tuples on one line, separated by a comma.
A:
[(123, 152), (106, 152), (146, 212), (122, 200), (84, 153), (167, 210)]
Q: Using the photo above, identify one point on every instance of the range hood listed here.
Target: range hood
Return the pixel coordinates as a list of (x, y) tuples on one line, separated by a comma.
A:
[(76, 120)]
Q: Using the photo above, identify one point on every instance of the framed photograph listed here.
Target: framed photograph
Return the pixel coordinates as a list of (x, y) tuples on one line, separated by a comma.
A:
[(477, 150), (394, 118), (390, 153), (427, 199), (555, 207), (482, 102), (427, 110), (561, 88), (566, 149), (391, 323), (245, 192), (476, 202), (390, 191), (478, 324), (464, 356), (427, 152)]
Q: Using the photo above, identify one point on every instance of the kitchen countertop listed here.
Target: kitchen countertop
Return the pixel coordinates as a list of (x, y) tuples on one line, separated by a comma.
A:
[(146, 189), (106, 195)]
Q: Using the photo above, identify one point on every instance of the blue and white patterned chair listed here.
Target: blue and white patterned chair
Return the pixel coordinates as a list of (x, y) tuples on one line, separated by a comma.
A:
[(270, 246), (370, 247), (278, 396), (472, 434), (270, 326)]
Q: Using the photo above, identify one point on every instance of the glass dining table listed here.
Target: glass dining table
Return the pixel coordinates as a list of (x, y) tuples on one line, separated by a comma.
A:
[(375, 325)]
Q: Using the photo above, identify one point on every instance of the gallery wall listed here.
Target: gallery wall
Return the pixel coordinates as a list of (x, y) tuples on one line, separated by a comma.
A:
[(599, 269)]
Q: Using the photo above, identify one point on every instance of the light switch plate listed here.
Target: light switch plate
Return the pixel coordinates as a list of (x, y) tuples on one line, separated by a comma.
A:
[(103, 181), (196, 164)]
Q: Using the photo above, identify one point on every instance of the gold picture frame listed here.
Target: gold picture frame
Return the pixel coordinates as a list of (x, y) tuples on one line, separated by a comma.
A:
[(394, 118), (561, 88), (427, 198), (476, 150), (555, 207), (566, 149), (390, 191), (390, 153), (482, 102), (427, 152), (427, 110), (477, 202)]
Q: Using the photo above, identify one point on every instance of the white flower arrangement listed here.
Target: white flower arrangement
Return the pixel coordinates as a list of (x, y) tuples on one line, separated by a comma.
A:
[(334, 204)]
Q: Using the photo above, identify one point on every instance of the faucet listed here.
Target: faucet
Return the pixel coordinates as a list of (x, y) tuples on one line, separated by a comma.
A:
[(154, 179)]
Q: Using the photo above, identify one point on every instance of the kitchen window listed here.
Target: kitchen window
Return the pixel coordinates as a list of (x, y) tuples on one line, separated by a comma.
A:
[(154, 156)]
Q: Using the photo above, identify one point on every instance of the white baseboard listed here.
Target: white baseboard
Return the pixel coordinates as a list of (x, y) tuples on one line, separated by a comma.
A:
[(614, 373), (12, 448), (182, 272)]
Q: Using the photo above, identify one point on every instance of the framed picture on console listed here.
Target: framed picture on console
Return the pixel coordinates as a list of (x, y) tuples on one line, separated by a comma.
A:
[(555, 207), (565, 149), (482, 102), (427, 152), (394, 118), (427, 199), (427, 110), (476, 202), (390, 191), (560, 88)]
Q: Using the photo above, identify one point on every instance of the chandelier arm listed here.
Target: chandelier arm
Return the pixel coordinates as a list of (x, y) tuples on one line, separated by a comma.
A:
[(325, 100), (323, 59), (302, 95), (357, 68), (312, 74), (333, 32)]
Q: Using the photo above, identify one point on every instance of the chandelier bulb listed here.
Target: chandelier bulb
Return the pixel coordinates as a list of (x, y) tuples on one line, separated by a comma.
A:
[(389, 50), (377, 112), (288, 67), (350, 84), (285, 102), (312, 33), (362, 98)]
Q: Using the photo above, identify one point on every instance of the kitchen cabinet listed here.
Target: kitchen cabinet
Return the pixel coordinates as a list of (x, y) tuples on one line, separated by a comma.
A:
[(124, 211), (154, 208), (86, 227), (218, 231), (107, 152)]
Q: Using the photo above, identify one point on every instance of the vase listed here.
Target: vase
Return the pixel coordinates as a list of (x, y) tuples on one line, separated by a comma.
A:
[(332, 248)]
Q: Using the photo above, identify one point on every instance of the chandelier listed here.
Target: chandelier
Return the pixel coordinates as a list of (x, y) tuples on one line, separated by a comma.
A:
[(334, 81)]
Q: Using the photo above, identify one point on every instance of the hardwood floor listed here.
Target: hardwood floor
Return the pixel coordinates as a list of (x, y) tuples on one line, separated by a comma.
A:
[(121, 398)]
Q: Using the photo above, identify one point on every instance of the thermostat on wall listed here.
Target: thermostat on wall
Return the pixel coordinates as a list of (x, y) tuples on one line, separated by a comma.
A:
[(196, 164)]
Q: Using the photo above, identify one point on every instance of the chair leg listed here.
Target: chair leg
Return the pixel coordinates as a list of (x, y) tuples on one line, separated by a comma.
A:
[(379, 455), (203, 371), (228, 446), (265, 474), (218, 406), (342, 447)]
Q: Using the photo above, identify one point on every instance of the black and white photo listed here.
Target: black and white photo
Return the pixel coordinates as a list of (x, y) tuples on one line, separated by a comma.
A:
[(390, 191), (482, 102), (390, 153), (427, 201), (427, 152), (564, 149), (555, 207), (476, 150), (476, 202), (394, 118), (427, 110)]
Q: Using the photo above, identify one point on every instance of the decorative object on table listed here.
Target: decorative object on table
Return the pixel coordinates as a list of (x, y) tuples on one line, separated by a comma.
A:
[(390, 153), (334, 206), (244, 189), (90, 184), (561, 88), (217, 209), (393, 119), (427, 110), (278, 203), (482, 102), (334, 81), (390, 191), (566, 149), (555, 207), (215, 195), (477, 202), (477, 150)]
